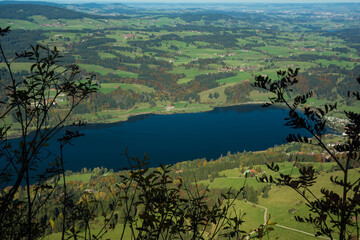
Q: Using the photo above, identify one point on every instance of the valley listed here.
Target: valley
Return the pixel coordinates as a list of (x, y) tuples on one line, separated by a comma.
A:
[(146, 61), (177, 145)]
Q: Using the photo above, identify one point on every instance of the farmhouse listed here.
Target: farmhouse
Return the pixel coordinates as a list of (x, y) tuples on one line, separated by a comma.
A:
[(171, 107)]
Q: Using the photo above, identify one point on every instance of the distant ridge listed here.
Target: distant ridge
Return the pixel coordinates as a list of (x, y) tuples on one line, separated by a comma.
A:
[(98, 4), (22, 10), (102, 8), (30, 2)]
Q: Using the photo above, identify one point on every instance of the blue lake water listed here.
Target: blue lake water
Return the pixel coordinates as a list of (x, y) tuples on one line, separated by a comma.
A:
[(173, 138)]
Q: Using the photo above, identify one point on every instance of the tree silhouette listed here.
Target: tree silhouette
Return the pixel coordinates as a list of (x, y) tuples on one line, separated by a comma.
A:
[(334, 214), (154, 205), (31, 101)]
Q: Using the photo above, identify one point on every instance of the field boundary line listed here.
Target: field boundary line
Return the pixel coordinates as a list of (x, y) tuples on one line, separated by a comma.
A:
[(300, 231), (281, 226)]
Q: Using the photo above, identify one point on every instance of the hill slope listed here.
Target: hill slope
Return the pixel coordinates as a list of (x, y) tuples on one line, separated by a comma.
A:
[(24, 11)]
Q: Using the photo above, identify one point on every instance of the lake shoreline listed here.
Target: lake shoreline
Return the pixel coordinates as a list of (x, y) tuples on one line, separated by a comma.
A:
[(140, 116), (143, 115), (135, 117), (132, 117)]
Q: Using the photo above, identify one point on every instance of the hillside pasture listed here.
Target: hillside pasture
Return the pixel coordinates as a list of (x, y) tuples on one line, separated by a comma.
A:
[(103, 71), (109, 87), (281, 198), (190, 73), (204, 95), (17, 24), (241, 76)]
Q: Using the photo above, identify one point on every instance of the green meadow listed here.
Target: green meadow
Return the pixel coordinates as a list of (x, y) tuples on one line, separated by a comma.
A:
[(103, 71), (241, 76), (281, 199), (109, 87)]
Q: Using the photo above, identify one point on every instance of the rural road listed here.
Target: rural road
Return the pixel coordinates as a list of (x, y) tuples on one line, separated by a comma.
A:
[(296, 230), (278, 225), (281, 226)]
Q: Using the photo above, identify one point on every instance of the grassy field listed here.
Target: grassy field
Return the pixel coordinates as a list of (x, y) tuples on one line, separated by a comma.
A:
[(105, 55), (16, 24), (79, 177), (190, 73), (96, 228), (231, 182), (103, 71), (258, 96), (281, 199), (18, 66), (254, 215), (109, 87), (233, 178), (204, 96), (236, 79)]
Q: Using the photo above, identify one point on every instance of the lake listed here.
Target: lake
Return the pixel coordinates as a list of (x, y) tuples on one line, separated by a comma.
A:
[(173, 138)]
